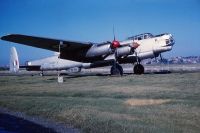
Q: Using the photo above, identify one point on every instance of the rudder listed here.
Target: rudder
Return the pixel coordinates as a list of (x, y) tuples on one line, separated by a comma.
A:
[(14, 61)]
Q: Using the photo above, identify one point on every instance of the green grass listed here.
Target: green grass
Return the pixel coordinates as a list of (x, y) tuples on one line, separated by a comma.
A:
[(97, 104)]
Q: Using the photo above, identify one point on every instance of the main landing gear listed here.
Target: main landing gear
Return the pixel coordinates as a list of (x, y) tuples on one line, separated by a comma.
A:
[(116, 69), (138, 69)]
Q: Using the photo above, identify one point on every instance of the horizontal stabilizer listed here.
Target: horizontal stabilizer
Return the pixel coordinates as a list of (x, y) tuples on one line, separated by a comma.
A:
[(31, 68)]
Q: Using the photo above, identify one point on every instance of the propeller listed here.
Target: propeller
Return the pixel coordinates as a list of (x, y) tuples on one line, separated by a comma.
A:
[(135, 45), (115, 44), (156, 55), (161, 58)]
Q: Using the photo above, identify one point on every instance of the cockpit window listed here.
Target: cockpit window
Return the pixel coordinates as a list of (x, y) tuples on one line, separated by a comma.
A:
[(141, 36), (161, 34), (167, 41)]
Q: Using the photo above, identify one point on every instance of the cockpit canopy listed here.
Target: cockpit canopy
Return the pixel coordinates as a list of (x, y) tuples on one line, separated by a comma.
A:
[(141, 36), (161, 34)]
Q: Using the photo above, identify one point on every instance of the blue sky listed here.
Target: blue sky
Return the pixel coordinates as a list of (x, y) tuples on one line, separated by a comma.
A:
[(92, 20)]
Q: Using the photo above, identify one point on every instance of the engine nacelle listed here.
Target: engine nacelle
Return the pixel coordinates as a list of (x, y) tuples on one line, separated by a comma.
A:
[(98, 50), (123, 51), (105, 49)]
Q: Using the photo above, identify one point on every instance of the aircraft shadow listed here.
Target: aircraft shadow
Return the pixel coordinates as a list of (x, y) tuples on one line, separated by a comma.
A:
[(107, 74)]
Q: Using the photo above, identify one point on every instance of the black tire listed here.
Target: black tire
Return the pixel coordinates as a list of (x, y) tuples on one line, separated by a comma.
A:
[(116, 70), (138, 69)]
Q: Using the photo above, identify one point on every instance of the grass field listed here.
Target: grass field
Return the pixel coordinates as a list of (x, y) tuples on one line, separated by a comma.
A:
[(157, 103)]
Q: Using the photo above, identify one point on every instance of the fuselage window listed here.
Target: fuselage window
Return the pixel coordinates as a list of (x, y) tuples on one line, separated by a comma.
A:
[(167, 41)]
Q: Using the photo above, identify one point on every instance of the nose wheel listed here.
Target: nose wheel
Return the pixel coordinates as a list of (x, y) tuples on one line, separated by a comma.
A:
[(116, 69), (138, 69)]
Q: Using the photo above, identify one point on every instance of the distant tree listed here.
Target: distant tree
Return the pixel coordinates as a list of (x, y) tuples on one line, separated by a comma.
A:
[(4, 68)]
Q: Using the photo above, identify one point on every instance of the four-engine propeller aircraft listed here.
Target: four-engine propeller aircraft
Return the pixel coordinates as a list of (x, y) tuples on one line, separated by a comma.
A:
[(132, 50)]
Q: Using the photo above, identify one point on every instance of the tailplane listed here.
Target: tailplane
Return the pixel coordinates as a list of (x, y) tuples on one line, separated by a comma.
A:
[(14, 61)]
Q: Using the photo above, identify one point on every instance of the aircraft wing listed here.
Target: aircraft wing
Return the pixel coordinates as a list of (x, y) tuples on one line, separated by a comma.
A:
[(47, 43)]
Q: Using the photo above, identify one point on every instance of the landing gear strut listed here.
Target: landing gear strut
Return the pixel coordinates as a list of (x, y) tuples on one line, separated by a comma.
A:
[(138, 69), (116, 69)]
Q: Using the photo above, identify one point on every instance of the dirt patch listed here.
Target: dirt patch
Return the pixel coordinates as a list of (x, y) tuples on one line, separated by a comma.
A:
[(143, 102)]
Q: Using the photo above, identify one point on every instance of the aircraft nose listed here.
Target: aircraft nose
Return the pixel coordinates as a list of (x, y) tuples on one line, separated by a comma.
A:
[(170, 41)]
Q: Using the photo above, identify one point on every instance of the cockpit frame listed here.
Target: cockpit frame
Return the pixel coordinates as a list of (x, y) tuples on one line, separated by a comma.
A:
[(141, 36)]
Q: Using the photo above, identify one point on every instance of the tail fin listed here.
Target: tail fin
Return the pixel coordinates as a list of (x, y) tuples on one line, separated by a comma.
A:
[(14, 61)]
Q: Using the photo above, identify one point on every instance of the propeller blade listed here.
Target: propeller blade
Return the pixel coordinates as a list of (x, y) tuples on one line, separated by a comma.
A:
[(113, 33), (135, 45), (115, 44)]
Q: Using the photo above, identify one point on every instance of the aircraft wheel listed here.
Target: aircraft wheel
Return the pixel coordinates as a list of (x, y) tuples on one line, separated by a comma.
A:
[(116, 70), (138, 69)]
